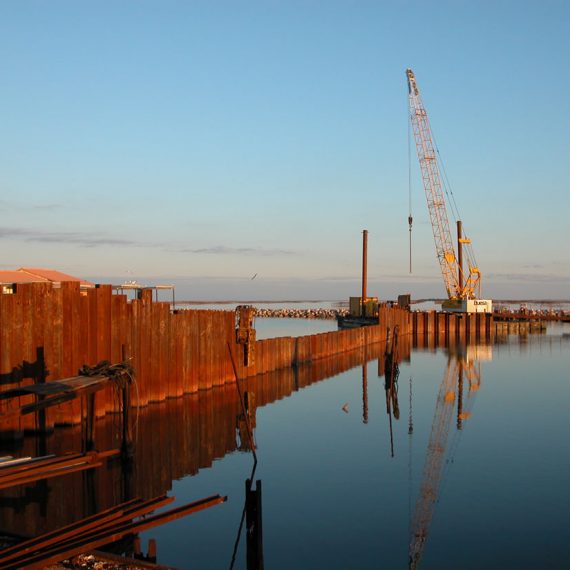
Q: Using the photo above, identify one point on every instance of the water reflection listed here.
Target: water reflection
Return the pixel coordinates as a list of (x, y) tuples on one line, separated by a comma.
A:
[(463, 363), (391, 372), (320, 449), (254, 525), (365, 392), (174, 439), (252, 516)]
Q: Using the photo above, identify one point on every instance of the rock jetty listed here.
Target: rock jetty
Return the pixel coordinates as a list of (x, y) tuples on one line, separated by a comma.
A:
[(300, 313)]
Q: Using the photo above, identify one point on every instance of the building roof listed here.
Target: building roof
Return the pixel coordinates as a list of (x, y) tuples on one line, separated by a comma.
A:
[(13, 276), (39, 275)]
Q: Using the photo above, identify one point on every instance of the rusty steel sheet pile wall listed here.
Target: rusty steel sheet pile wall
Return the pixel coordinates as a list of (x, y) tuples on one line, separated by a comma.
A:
[(61, 329), (442, 328), (172, 352)]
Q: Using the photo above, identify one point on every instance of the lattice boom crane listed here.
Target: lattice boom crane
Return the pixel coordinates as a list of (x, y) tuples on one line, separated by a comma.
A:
[(463, 291)]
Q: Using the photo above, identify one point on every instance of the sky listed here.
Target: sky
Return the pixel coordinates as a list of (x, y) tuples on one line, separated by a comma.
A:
[(203, 143)]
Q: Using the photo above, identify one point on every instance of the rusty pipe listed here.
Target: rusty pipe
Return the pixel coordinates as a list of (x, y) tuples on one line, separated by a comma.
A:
[(364, 270)]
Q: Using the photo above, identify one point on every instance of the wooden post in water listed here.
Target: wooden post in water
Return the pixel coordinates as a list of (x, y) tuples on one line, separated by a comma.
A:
[(151, 554), (88, 420), (254, 525)]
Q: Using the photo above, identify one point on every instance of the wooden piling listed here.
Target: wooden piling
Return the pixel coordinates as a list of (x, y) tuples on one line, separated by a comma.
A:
[(254, 526)]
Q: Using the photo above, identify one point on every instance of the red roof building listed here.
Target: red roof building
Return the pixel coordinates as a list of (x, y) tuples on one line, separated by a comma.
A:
[(56, 277), (37, 275), (13, 276)]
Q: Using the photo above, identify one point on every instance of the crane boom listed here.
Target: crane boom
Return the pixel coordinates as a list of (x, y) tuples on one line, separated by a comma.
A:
[(457, 286)]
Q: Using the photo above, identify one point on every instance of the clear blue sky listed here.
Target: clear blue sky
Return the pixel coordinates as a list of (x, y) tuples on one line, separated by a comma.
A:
[(205, 142)]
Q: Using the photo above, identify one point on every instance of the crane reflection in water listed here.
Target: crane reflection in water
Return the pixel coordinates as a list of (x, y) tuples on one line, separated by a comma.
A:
[(456, 396)]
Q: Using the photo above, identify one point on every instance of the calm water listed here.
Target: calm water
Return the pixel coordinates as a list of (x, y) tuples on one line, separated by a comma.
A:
[(340, 488), (271, 328)]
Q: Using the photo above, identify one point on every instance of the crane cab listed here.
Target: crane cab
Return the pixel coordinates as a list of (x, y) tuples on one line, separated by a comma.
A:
[(468, 306)]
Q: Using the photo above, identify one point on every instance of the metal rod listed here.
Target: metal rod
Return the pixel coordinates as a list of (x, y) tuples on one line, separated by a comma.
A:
[(84, 525), (90, 542), (32, 479), (244, 411)]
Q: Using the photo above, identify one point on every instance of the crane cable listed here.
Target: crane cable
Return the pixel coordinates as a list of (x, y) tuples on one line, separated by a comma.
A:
[(410, 218), (451, 200)]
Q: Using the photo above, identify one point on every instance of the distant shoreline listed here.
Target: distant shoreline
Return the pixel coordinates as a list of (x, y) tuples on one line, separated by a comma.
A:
[(258, 301), (508, 301), (414, 301)]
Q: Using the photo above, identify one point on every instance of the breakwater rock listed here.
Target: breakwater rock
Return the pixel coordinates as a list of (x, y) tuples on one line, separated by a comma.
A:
[(301, 313)]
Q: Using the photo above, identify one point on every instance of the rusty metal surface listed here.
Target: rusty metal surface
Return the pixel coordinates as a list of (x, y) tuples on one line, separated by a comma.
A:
[(94, 523), (32, 545), (49, 333)]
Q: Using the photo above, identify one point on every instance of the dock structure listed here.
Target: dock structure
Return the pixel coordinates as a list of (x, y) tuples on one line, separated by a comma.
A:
[(48, 333), (57, 392)]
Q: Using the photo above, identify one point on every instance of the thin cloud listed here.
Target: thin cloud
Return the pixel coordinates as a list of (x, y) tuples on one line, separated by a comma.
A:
[(46, 207), (82, 239), (225, 250), (529, 277), (50, 206), (85, 239), (381, 278)]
